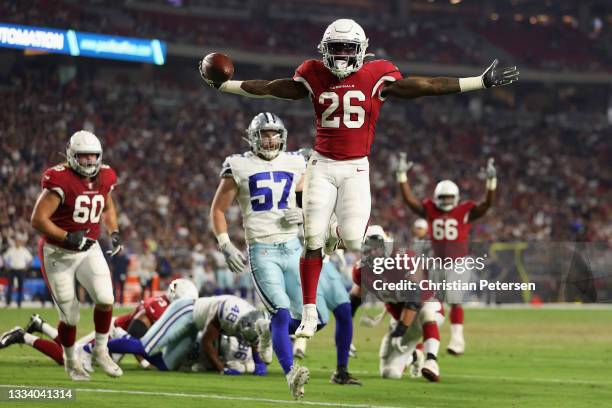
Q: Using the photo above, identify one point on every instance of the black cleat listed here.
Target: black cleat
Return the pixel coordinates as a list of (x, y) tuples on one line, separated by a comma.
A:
[(35, 324), (14, 336), (344, 378)]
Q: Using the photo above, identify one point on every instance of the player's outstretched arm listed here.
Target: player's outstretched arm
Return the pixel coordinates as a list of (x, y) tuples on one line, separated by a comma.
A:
[(491, 185), (401, 173), (260, 88), (415, 87)]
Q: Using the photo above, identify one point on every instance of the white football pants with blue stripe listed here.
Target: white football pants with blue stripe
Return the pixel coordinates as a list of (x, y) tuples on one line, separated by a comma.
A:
[(172, 334), (276, 273)]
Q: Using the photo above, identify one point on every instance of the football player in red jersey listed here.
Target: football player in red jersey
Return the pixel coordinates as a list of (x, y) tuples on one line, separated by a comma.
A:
[(449, 222), (76, 196), (416, 316), (347, 93)]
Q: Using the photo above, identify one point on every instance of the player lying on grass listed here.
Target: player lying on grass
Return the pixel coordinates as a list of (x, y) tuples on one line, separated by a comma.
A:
[(168, 342), (266, 182), (449, 223), (135, 324), (347, 93), (413, 319)]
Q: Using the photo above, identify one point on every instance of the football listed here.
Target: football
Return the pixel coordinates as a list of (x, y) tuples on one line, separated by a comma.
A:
[(217, 67)]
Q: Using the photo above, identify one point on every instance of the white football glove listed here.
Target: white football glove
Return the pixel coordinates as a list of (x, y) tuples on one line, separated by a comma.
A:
[(402, 168), (293, 216), (397, 344), (234, 257), (491, 173)]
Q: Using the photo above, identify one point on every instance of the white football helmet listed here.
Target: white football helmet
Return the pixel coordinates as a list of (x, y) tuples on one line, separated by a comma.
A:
[(343, 47), (83, 142), (446, 195), (376, 237), (262, 122), (181, 289)]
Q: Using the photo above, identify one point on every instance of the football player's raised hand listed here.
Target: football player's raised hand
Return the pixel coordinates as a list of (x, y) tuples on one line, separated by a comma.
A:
[(499, 76), (490, 170), (402, 168), (77, 241), (236, 260)]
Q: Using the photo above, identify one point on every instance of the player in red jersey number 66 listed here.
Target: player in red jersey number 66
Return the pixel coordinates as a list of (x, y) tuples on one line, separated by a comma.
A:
[(75, 196), (449, 223), (347, 93)]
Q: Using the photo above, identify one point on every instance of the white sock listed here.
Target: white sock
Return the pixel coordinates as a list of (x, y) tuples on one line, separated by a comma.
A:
[(456, 331), (49, 330), (29, 339), (101, 340), (310, 309), (431, 346), (69, 352)]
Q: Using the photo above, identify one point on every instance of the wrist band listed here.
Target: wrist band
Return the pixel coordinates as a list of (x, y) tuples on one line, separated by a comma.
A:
[(491, 183), (470, 84), (233, 87), (401, 177), (223, 239)]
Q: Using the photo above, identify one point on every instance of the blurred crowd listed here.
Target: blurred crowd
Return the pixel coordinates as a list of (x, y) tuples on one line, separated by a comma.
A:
[(166, 133), (550, 37)]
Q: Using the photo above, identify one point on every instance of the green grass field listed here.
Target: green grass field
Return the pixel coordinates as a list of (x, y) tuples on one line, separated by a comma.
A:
[(515, 358)]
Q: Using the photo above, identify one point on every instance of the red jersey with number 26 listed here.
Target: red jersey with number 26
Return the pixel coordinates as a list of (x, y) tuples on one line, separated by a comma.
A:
[(449, 230), (82, 202), (346, 109)]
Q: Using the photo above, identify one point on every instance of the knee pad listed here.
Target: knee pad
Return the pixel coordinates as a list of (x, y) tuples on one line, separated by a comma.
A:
[(428, 314), (353, 244), (391, 373), (103, 294), (105, 298)]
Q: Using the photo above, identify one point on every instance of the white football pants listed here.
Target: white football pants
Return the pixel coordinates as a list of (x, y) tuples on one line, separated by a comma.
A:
[(62, 266), (341, 187)]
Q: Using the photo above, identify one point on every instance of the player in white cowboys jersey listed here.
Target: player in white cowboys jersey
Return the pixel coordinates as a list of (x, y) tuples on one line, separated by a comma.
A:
[(264, 181), (168, 342)]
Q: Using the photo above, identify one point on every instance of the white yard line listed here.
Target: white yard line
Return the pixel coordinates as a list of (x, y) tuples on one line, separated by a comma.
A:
[(212, 396), (493, 377)]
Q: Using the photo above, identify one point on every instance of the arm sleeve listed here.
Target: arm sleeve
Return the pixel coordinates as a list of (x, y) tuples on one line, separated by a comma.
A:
[(385, 72), (226, 169), (112, 179), (302, 74), (51, 181)]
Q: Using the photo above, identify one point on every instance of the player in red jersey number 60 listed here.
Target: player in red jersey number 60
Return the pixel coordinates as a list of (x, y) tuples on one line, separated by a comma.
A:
[(75, 196), (347, 93)]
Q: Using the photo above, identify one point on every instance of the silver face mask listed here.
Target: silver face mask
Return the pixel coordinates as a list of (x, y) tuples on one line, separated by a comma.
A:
[(258, 135)]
